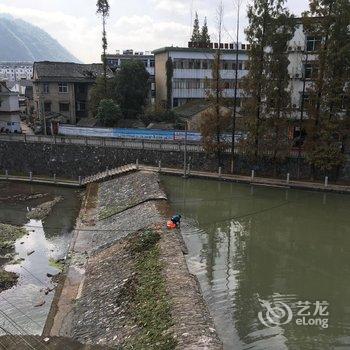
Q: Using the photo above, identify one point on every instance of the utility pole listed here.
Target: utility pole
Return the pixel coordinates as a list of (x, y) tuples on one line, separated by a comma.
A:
[(235, 95), (42, 110), (185, 151)]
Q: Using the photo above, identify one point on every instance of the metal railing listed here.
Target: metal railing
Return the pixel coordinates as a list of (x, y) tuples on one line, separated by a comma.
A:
[(143, 144), (159, 145)]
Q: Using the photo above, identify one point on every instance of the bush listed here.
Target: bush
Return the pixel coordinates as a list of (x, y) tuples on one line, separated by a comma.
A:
[(109, 113)]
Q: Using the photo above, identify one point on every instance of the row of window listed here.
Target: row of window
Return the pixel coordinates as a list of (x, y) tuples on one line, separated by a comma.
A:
[(65, 106), (63, 88), (180, 63), (114, 63), (201, 84)]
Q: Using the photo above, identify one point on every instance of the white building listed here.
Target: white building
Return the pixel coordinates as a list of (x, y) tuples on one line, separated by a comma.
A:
[(192, 67), (9, 110), (15, 71)]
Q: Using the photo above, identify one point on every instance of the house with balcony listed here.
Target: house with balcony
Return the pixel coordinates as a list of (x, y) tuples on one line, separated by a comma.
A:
[(62, 90)]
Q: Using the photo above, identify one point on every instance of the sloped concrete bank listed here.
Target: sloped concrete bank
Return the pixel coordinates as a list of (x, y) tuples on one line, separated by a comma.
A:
[(128, 286)]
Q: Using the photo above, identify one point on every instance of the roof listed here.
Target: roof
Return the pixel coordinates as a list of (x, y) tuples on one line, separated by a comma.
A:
[(194, 49), (70, 72), (190, 109)]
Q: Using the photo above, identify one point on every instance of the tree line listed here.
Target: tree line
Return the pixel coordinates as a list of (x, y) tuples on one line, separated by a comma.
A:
[(266, 106)]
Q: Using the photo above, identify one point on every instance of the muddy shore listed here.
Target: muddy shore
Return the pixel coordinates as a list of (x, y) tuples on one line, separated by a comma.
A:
[(119, 296)]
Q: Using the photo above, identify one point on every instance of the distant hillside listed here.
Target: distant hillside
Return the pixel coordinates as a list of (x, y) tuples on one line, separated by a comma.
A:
[(22, 41)]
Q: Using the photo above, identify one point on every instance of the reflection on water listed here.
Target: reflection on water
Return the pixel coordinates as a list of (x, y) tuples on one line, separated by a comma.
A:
[(247, 244), (24, 308)]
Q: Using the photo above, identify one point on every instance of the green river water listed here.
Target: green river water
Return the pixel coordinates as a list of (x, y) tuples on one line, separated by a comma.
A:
[(273, 264)]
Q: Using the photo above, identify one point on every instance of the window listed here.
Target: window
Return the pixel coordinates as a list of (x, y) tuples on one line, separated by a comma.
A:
[(64, 107), (310, 71), (81, 107), (47, 107), (313, 43), (152, 63), (46, 88), (63, 88)]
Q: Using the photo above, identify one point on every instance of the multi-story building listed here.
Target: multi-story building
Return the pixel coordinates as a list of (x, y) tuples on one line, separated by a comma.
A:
[(9, 110), (115, 61), (15, 71), (192, 68), (64, 89)]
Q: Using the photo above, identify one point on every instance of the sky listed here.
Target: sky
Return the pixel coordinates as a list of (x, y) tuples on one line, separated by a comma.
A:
[(142, 25)]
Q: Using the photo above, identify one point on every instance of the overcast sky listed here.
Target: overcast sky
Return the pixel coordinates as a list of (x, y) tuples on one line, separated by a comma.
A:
[(133, 24)]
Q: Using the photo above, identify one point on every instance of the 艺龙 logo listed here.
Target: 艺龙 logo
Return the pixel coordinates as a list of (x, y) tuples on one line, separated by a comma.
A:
[(275, 314)]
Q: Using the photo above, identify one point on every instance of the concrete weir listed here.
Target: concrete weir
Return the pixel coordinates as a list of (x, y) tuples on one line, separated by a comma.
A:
[(100, 298)]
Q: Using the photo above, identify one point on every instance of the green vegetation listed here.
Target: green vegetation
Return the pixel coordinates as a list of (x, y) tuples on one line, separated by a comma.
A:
[(150, 307), (7, 279), (109, 113), (43, 210), (128, 89), (9, 234), (57, 264), (132, 88)]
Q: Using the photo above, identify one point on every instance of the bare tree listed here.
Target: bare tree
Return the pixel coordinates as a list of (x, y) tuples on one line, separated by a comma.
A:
[(103, 9)]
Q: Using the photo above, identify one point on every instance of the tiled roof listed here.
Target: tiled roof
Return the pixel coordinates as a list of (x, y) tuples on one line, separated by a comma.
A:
[(68, 71)]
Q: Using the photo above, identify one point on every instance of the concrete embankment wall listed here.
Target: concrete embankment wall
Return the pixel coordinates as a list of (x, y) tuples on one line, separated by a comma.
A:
[(94, 306), (71, 161)]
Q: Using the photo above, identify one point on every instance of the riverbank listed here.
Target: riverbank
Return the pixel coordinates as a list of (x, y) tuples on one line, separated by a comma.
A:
[(255, 181), (128, 284)]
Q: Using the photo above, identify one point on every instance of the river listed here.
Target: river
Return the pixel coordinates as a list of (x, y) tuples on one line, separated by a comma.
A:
[(273, 263), (24, 308)]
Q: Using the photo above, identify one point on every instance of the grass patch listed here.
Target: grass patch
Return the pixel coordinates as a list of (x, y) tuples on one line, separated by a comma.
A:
[(150, 307), (57, 264), (9, 234), (7, 279)]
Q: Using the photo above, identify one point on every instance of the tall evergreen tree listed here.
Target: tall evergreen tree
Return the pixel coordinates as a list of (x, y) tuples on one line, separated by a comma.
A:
[(327, 22), (205, 37), (196, 35), (278, 94), (103, 9), (215, 120), (265, 86)]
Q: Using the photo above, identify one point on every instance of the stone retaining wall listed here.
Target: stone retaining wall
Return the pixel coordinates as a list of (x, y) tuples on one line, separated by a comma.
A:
[(71, 161), (97, 314)]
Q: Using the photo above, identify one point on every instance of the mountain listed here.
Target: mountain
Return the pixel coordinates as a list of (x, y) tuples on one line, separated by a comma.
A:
[(22, 41)]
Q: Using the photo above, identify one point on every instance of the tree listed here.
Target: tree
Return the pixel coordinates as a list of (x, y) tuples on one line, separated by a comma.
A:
[(196, 35), (278, 94), (266, 98), (103, 9), (99, 93), (132, 88), (327, 22), (205, 37), (109, 113), (169, 82), (216, 120)]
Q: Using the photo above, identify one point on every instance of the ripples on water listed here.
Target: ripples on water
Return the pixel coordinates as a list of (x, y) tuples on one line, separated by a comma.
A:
[(277, 245)]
